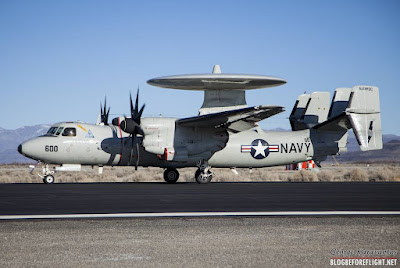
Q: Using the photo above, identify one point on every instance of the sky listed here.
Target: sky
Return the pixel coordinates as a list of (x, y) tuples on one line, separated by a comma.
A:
[(59, 59)]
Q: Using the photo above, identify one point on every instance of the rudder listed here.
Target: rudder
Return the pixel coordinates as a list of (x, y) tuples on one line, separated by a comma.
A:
[(364, 114)]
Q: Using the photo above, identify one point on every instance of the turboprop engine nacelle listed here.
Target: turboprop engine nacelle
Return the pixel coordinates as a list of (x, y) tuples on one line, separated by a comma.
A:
[(159, 136), (172, 142)]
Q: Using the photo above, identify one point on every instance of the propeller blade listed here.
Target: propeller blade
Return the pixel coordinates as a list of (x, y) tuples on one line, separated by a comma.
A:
[(107, 114), (132, 125), (130, 154), (105, 104), (104, 113), (141, 112), (137, 105), (132, 110), (126, 142), (139, 130), (137, 155)]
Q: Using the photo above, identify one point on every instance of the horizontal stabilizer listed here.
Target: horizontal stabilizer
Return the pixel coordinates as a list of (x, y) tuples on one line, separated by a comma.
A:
[(362, 115), (338, 123)]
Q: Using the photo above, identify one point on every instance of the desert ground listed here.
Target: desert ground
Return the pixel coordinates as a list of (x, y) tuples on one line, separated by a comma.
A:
[(19, 173)]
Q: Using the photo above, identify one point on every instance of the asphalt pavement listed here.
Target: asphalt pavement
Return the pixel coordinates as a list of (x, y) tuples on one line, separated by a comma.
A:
[(42, 199)]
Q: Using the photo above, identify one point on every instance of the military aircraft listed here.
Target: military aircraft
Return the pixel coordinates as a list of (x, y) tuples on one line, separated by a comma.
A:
[(225, 133)]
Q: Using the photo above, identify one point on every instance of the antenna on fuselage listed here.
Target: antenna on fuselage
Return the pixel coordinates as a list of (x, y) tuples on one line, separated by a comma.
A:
[(216, 69)]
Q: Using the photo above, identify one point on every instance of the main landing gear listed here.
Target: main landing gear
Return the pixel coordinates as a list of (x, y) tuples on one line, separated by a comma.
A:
[(171, 175), (204, 174)]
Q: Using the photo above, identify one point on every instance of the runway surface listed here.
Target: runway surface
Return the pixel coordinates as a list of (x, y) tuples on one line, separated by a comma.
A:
[(41, 199), (192, 242), (188, 241)]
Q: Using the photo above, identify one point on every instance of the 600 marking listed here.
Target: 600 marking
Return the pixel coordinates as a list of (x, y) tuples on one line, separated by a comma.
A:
[(51, 148)]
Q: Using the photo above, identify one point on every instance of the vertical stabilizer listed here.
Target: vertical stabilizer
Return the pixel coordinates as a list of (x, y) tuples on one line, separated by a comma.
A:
[(364, 114), (317, 109), (340, 101), (339, 104), (298, 111), (310, 110)]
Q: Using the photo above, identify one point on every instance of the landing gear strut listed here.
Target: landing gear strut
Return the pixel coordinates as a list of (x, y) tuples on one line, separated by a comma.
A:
[(204, 174), (171, 175), (48, 175)]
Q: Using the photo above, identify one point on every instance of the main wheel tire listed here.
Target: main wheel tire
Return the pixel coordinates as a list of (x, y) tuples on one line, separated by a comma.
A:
[(171, 175), (49, 179), (202, 178), (197, 174)]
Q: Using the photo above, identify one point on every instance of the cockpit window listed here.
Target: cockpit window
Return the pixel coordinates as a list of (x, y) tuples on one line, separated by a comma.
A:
[(59, 130), (69, 131), (51, 131)]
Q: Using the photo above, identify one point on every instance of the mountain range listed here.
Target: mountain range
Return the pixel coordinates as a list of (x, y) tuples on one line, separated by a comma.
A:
[(10, 139)]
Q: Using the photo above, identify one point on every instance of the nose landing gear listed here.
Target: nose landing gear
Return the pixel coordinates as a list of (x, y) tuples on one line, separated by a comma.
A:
[(49, 179), (48, 174)]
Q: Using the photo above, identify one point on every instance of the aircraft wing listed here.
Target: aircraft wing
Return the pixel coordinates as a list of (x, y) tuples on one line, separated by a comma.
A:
[(234, 120)]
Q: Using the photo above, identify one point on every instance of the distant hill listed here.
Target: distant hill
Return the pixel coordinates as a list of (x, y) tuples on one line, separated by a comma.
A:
[(10, 139), (389, 153), (353, 146)]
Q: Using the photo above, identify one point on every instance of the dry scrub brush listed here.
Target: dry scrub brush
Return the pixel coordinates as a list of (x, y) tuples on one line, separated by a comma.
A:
[(362, 173)]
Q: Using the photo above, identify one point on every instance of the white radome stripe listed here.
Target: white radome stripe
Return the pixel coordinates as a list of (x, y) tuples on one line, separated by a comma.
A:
[(199, 214)]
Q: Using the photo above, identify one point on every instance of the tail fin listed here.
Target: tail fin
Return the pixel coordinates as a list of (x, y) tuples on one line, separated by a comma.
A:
[(298, 111), (340, 101), (365, 117), (310, 110), (362, 114)]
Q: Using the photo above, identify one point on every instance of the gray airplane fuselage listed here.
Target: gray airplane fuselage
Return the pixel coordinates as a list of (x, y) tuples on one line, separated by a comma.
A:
[(108, 145)]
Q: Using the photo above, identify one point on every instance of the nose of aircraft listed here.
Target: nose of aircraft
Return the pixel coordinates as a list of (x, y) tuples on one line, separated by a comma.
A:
[(28, 149)]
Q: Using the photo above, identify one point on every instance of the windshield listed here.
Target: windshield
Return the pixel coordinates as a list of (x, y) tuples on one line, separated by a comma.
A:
[(60, 129), (54, 131), (51, 131)]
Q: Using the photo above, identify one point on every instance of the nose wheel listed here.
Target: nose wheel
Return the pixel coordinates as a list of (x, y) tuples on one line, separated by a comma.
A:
[(49, 179)]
